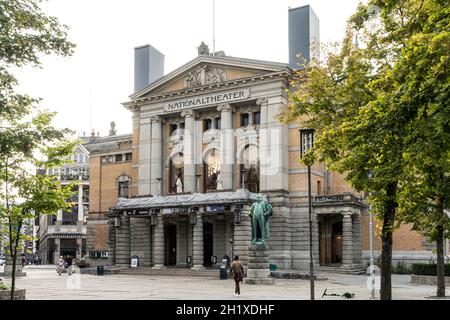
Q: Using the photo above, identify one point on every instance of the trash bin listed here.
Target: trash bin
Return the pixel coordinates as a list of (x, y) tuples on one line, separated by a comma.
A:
[(100, 270), (273, 267), (224, 269)]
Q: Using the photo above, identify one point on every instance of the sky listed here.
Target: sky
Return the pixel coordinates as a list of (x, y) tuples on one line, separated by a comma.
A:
[(87, 89)]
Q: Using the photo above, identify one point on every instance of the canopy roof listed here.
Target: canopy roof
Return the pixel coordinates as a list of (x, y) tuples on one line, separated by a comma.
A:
[(195, 199)]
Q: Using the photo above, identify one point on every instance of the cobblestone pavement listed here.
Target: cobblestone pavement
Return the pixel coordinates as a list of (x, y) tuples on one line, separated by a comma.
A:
[(42, 282)]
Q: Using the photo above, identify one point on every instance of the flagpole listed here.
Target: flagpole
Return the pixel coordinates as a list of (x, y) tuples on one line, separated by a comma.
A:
[(214, 29)]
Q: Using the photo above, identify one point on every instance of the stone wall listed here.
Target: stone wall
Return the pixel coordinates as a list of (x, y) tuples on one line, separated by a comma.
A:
[(140, 240)]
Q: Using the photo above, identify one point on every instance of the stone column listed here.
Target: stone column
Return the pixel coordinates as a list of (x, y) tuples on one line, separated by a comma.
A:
[(144, 171), (357, 249), (79, 248), (57, 252), (228, 236), (123, 246), (156, 155), (274, 163), (112, 242), (227, 144), (347, 239), (263, 144), (242, 236), (197, 243), (80, 201), (188, 151), (158, 243)]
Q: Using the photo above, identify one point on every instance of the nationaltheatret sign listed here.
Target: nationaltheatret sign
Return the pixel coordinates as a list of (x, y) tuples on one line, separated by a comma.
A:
[(199, 101)]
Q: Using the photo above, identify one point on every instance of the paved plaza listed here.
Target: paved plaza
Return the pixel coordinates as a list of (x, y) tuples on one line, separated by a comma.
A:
[(43, 283)]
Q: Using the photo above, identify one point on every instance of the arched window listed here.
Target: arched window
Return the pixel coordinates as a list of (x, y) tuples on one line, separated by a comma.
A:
[(176, 171), (250, 168), (212, 170)]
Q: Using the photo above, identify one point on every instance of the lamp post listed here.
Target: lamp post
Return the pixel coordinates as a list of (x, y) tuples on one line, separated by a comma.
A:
[(372, 264), (306, 144)]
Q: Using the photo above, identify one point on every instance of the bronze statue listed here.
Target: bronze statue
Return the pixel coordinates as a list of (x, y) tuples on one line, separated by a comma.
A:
[(260, 211)]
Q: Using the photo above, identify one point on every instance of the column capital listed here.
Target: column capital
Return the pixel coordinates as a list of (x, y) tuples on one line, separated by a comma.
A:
[(226, 107), (188, 114), (156, 119), (347, 214), (262, 101)]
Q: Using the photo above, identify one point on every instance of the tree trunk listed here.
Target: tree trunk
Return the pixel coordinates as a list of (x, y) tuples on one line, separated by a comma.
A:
[(386, 238), (440, 252), (13, 273)]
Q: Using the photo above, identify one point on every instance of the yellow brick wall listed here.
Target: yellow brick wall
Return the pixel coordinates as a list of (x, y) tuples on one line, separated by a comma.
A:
[(101, 235), (403, 239)]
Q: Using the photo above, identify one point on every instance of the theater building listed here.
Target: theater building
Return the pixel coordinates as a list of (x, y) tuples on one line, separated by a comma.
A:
[(206, 139)]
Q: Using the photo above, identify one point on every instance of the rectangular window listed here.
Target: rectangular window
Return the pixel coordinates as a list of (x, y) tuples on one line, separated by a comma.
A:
[(207, 124), (218, 126), (244, 120), (128, 156), (257, 118), (118, 158), (319, 188), (173, 127)]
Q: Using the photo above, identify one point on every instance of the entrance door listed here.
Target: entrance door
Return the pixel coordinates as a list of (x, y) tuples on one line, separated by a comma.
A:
[(207, 244), (172, 245), (330, 240), (337, 243)]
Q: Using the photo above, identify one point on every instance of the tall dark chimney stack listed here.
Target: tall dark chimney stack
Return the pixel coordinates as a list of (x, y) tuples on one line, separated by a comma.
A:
[(148, 66), (304, 35)]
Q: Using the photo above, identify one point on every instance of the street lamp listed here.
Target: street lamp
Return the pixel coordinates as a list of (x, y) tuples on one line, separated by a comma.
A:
[(372, 264), (306, 144)]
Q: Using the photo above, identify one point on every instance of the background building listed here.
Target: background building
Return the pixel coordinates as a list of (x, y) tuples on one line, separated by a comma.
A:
[(110, 177), (65, 233)]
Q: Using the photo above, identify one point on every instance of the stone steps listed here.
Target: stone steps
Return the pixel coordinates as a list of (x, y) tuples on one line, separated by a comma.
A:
[(169, 272), (331, 269)]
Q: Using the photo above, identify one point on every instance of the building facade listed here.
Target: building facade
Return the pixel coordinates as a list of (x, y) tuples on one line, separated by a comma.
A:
[(206, 138), (64, 234), (110, 178)]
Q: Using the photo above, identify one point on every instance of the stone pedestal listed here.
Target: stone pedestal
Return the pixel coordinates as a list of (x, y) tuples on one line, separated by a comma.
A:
[(9, 266), (258, 271)]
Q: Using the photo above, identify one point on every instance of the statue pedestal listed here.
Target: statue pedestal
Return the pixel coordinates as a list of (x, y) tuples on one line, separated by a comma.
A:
[(9, 267), (258, 271)]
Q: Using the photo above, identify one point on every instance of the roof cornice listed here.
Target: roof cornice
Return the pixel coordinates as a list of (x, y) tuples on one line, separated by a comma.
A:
[(163, 96), (227, 61)]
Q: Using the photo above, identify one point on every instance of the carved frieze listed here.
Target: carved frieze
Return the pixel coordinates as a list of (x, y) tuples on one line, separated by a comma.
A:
[(205, 75)]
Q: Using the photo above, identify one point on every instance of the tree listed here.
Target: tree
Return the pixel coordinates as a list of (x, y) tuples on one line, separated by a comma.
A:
[(25, 34), (359, 101)]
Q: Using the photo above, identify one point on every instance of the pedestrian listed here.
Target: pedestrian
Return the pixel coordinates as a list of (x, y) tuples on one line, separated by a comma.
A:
[(23, 260), (237, 272), (60, 265)]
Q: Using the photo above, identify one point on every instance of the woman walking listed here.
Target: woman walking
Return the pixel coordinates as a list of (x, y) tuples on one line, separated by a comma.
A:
[(237, 271)]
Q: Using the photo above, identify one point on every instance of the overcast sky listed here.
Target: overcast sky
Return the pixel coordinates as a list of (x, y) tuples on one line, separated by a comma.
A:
[(87, 89)]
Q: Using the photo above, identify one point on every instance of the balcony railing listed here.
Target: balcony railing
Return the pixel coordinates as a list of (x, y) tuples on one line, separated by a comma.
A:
[(337, 197)]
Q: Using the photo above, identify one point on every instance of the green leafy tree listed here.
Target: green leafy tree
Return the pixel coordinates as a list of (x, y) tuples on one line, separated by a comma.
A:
[(26, 134), (359, 101)]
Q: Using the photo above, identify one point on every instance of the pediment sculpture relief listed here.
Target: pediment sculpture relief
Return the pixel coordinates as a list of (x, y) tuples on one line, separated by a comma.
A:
[(204, 75)]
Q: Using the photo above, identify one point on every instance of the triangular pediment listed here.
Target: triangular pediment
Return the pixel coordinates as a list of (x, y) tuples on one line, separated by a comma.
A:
[(208, 70)]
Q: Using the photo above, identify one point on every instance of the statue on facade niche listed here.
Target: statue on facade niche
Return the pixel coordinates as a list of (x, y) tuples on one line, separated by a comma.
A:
[(260, 211), (219, 182), (179, 185)]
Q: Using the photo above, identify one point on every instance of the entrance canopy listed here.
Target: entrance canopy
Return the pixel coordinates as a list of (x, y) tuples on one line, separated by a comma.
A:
[(195, 199)]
